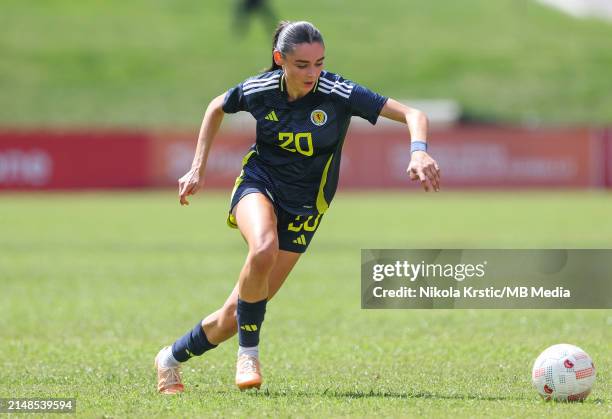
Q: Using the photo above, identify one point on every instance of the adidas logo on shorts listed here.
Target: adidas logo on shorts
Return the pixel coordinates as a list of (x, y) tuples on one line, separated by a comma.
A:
[(300, 240)]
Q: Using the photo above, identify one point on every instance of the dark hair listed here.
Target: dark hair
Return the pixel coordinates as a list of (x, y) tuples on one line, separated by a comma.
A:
[(289, 34)]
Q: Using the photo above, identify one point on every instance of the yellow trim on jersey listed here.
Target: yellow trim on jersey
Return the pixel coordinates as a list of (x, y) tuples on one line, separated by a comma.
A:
[(322, 204), (231, 220)]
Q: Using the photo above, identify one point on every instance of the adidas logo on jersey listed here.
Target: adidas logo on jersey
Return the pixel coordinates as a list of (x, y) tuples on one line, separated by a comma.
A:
[(300, 240), (272, 117)]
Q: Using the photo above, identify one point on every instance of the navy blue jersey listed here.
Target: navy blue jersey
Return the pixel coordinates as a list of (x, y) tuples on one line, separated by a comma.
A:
[(298, 144)]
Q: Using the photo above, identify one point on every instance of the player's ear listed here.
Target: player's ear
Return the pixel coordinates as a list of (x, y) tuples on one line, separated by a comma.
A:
[(278, 57)]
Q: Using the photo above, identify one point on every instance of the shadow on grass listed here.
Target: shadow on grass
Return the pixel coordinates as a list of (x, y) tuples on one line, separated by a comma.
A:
[(404, 396), (377, 394)]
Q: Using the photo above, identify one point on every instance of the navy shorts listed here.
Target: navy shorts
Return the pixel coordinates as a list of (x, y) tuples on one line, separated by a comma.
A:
[(294, 231)]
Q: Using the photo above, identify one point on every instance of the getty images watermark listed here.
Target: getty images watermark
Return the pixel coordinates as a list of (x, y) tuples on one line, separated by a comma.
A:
[(456, 278)]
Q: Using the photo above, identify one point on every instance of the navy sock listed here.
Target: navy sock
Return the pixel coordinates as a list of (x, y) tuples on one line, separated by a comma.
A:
[(193, 343), (250, 317)]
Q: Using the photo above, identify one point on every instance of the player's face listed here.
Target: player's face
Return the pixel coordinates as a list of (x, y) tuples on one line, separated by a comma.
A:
[(303, 66)]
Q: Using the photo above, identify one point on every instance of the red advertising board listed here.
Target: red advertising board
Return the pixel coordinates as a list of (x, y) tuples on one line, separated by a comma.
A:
[(172, 155), (73, 159), (373, 157), (478, 156), (607, 153)]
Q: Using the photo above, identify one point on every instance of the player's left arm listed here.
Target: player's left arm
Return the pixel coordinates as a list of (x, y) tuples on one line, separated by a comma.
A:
[(422, 166)]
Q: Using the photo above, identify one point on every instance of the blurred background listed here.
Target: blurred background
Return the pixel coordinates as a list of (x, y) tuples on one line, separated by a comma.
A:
[(105, 94), (100, 106)]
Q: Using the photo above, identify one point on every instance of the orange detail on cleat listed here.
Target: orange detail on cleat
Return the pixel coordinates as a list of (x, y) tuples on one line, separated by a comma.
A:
[(248, 372), (168, 379)]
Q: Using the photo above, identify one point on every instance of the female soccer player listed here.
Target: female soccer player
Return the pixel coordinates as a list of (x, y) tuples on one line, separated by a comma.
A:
[(288, 180)]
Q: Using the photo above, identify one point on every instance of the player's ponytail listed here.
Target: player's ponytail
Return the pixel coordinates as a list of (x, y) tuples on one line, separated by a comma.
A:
[(289, 34)]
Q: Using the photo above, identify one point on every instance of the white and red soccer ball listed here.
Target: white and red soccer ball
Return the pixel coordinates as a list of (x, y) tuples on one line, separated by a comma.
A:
[(563, 372)]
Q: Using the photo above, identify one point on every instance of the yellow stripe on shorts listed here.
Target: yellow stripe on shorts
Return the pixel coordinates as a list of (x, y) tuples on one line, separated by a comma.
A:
[(231, 220)]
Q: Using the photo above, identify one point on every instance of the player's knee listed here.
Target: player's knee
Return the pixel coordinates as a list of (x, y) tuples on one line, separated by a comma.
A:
[(263, 254)]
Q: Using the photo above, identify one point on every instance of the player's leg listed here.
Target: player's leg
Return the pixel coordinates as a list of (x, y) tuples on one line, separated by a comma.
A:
[(217, 327), (222, 324), (256, 220), (294, 235)]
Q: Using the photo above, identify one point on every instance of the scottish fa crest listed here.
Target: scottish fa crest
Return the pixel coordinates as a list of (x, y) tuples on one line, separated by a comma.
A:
[(318, 117)]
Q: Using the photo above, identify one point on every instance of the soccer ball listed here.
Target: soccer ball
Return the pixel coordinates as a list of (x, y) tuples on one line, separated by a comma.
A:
[(563, 372)]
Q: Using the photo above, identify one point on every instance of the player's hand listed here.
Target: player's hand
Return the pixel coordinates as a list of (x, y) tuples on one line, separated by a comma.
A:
[(425, 169), (189, 185)]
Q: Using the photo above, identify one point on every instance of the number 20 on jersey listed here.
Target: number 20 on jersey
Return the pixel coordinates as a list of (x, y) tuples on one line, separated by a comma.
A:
[(300, 142)]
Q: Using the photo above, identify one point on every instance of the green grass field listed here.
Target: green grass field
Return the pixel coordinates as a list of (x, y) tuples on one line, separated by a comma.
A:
[(94, 284), (159, 62)]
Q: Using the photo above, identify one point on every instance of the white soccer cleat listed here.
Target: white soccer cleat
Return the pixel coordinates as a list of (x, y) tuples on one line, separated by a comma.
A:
[(248, 372), (168, 378)]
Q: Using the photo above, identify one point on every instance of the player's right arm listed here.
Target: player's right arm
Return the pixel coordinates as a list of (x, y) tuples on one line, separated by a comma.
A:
[(193, 179)]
